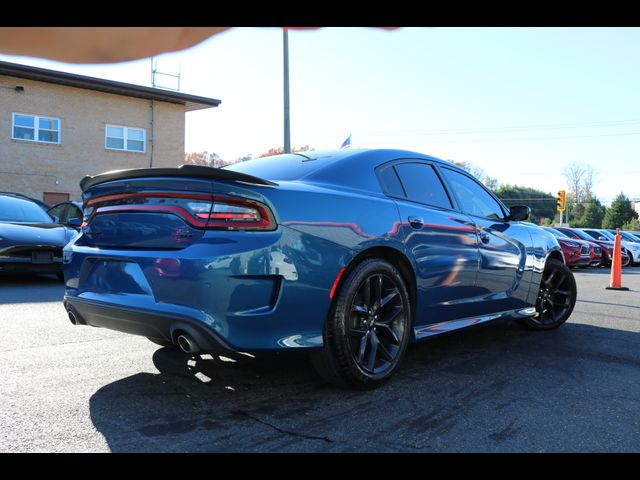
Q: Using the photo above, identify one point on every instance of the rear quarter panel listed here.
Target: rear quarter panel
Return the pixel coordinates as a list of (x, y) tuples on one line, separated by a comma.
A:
[(321, 230)]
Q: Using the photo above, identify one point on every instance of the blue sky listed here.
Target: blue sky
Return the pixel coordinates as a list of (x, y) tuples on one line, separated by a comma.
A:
[(519, 102)]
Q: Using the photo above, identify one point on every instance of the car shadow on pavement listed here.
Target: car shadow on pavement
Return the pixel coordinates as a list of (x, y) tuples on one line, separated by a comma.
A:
[(497, 388)]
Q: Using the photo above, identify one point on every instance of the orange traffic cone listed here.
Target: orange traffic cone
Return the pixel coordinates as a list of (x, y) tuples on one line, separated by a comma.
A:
[(616, 265)]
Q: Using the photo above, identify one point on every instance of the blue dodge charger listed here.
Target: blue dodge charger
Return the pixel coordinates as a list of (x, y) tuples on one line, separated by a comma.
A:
[(349, 254)]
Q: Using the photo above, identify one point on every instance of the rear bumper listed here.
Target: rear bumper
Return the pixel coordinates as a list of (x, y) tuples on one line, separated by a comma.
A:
[(239, 292), (148, 323)]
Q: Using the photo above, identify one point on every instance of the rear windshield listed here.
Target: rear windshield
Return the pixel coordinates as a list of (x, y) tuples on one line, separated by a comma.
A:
[(282, 167), (14, 209)]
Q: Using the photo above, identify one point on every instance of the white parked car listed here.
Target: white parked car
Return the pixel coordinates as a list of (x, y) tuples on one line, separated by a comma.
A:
[(633, 247)]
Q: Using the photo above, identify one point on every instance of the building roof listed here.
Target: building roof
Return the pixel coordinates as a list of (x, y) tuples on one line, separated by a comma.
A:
[(191, 102)]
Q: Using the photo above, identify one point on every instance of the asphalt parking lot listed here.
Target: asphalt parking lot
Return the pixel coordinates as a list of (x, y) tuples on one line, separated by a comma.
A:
[(497, 388)]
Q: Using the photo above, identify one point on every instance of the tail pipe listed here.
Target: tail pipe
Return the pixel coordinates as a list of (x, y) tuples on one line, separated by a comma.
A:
[(187, 344), (74, 317)]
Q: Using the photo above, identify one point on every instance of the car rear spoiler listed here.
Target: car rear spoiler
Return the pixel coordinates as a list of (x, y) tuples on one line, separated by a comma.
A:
[(197, 171)]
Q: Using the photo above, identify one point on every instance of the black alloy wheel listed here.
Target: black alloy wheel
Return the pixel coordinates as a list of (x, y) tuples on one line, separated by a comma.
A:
[(375, 324), (556, 297), (368, 329)]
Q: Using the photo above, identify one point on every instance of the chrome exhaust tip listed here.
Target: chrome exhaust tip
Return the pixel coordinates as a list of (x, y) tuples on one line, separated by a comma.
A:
[(187, 344), (72, 317)]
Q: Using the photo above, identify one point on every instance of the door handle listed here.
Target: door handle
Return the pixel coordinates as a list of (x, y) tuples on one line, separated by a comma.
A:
[(416, 222)]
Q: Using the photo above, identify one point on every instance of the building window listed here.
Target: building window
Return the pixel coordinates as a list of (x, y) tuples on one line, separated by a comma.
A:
[(34, 128), (125, 138)]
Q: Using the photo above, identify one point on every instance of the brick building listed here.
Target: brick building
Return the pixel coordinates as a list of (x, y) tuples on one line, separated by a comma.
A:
[(57, 127)]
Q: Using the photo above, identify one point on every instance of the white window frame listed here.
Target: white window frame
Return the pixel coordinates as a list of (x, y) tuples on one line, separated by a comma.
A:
[(126, 138), (36, 128)]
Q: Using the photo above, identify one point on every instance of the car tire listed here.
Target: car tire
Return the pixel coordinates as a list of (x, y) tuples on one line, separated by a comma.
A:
[(162, 342), (556, 297), (629, 262), (368, 327)]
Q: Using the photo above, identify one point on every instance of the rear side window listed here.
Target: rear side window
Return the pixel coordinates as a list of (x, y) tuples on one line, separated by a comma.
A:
[(390, 182), (422, 184)]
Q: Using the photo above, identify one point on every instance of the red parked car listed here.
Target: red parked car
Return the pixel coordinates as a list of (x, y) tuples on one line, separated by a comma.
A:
[(606, 246), (577, 252)]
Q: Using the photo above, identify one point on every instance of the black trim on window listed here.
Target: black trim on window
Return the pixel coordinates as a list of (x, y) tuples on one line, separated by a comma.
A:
[(505, 214), (393, 163)]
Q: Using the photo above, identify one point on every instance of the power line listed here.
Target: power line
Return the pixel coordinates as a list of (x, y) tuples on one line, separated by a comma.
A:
[(522, 138), (488, 140), (552, 126)]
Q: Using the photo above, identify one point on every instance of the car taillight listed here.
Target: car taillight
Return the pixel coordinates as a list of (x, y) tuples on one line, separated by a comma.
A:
[(86, 215), (231, 214), (199, 211)]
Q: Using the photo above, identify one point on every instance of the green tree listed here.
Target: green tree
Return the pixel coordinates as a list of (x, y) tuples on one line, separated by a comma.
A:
[(619, 213), (633, 225), (543, 204), (593, 215)]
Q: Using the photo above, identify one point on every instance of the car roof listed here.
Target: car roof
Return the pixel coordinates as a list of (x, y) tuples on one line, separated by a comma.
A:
[(337, 167), (25, 197)]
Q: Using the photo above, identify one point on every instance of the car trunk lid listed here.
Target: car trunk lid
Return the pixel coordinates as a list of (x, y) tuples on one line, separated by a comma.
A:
[(162, 208)]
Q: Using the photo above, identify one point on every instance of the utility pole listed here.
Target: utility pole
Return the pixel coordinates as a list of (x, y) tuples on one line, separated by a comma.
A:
[(153, 126), (154, 84), (287, 120)]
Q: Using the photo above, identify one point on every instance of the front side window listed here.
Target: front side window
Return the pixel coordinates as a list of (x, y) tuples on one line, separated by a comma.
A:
[(473, 199), (598, 235), (34, 128), (59, 212), (125, 138)]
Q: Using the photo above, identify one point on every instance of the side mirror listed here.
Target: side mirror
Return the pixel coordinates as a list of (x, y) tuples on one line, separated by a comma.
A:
[(74, 222), (519, 213)]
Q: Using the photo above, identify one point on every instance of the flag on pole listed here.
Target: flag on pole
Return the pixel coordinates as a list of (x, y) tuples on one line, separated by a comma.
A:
[(347, 142)]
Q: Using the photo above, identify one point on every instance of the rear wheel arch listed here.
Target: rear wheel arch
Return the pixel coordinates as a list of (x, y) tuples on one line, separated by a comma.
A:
[(396, 258), (368, 327), (557, 255)]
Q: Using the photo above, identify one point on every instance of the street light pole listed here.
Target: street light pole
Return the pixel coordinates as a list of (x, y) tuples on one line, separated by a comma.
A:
[(287, 120)]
